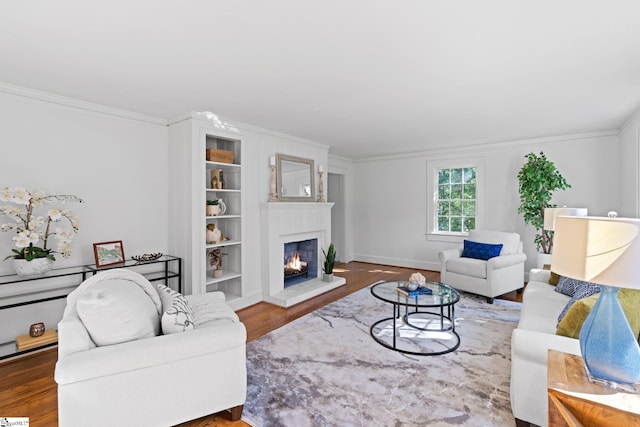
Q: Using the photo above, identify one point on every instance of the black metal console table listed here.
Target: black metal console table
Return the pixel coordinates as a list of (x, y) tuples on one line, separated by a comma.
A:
[(171, 269)]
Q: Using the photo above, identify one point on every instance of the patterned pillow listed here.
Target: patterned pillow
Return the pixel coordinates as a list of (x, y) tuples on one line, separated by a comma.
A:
[(480, 250), (585, 289), (177, 315), (567, 286)]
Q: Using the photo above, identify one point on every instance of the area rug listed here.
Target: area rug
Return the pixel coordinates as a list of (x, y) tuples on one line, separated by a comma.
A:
[(325, 369)]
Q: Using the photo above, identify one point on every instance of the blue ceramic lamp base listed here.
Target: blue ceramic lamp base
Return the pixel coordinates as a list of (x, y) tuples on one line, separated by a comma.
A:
[(609, 348)]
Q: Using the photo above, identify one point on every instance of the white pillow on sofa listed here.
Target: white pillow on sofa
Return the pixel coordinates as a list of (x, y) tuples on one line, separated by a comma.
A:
[(177, 315), (116, 311)]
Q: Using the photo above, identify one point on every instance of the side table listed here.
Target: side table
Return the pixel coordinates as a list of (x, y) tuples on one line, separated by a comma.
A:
[(574, 401)]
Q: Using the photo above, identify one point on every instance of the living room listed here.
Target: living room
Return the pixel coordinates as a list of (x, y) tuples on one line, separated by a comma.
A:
[(88, 111)]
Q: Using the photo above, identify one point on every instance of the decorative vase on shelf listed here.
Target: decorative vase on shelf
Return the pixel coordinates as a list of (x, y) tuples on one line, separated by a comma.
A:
[(213, 210), (32, 268), (217, 273)]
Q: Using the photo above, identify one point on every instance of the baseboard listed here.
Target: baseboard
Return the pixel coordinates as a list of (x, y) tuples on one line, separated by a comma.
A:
[(398, 262)]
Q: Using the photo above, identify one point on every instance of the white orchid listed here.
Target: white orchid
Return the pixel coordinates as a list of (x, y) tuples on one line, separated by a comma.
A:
[(29, 227), (21, 196)]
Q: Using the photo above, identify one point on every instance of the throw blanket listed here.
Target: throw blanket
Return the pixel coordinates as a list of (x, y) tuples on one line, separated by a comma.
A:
[(118, 273), (204, 312)]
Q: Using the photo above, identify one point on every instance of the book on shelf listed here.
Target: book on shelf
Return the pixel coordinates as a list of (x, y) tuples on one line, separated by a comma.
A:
[(421, 290)]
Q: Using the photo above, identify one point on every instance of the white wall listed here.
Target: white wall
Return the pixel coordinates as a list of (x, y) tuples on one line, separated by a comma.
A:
[(630, 167), (117, 165), (390, 205)]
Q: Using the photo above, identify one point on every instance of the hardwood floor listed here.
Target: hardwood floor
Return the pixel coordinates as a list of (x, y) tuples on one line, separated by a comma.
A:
[(27, 388)]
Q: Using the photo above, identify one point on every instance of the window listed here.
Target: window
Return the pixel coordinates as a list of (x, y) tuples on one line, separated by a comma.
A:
[(454, 205), (456, 199)]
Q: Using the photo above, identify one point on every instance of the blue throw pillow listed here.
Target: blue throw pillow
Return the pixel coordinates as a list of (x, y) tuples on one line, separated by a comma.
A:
[(585, 289), (480, 250)]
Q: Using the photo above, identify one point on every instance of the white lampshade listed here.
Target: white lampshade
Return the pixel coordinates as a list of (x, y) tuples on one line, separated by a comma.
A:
[(599, 250), (550, 215)]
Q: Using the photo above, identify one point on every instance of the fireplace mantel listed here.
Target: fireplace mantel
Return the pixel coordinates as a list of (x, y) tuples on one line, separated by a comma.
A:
[(284, 222)]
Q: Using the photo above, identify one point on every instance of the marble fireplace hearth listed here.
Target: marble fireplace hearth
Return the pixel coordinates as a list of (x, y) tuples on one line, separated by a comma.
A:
[(285, 222)]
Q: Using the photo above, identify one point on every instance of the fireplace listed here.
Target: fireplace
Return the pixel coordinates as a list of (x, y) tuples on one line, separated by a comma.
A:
[(285, 223), (300, 261)]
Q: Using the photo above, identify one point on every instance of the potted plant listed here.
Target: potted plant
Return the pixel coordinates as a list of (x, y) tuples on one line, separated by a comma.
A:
[(329, 262), (33, 229), (213, 207), (215, 259), (538, 180)]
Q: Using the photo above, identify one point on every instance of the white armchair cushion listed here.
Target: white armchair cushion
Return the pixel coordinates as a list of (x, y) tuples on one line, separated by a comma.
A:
[(468, 266), (177, 315), (116, 311)]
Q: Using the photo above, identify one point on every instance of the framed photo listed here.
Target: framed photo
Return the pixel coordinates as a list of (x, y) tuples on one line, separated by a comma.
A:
[(108, 253)]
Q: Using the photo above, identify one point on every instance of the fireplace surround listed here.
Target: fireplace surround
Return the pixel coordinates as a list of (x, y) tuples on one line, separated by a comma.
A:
[(284, 223)]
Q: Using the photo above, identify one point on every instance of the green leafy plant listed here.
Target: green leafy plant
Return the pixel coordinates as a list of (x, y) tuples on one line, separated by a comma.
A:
[(538, 180), (212, 202), (329, 259)]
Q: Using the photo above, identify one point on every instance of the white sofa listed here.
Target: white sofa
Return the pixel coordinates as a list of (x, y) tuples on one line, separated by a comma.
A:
[(161, 380), (530, 342), (490, 278)]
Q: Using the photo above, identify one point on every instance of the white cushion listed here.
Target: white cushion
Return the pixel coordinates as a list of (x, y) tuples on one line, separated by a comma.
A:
[(116, 311), (468, 266), (177, 315), (510, 241)]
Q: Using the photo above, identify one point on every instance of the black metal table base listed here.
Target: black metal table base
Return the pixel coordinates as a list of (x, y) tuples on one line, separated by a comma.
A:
[(449, 317)]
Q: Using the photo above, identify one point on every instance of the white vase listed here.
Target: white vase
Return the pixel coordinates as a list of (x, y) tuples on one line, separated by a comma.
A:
[(33, 267), (543, 259), (213, 210)]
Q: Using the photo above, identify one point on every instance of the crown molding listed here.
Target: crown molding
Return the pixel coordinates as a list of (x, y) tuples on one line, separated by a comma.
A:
[(494, 145), (78, 104)]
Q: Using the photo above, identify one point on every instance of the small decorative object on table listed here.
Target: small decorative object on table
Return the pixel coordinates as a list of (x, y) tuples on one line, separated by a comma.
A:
[(108, 253), (31, 229), (147, 257), (36, 330), (416, 280), (421, 290)]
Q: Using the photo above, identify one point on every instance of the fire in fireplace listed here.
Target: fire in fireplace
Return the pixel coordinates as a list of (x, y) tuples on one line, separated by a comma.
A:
[(300, 261), (295, 267)]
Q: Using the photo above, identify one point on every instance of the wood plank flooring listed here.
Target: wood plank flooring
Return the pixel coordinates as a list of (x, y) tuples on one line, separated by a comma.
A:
[(27, 388)]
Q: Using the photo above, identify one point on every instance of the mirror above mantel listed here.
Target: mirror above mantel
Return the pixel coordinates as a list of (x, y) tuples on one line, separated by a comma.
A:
[(295, 179)]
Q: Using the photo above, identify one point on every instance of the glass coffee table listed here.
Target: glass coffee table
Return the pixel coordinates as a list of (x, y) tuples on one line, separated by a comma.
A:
[(427, 326)]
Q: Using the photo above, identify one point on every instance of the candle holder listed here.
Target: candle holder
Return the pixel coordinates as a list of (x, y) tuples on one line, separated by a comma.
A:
[(321, 189), (274, 195)]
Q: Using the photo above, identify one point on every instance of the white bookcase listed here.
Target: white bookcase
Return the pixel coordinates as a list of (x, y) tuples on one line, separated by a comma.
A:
[(190, 188)]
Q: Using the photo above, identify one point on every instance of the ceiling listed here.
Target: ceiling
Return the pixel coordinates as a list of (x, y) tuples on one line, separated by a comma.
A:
[(367, 77)]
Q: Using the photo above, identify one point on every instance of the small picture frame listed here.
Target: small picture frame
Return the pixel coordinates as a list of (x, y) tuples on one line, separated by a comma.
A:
[(108, 253)]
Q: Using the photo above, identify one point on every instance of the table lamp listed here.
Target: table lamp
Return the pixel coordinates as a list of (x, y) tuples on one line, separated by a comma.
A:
[(605, 251), (550, 215)]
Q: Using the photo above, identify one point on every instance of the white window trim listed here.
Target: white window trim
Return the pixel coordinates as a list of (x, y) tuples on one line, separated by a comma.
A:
[(432, 195)]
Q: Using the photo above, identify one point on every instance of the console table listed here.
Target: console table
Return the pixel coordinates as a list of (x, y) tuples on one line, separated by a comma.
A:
[(574, 401), (162, 269)]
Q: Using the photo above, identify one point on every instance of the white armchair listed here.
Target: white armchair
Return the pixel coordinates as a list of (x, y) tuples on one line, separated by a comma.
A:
[(147, 381), (489, 278)]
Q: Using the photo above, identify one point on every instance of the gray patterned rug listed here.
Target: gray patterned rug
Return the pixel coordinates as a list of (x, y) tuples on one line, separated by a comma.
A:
[(324, 369)]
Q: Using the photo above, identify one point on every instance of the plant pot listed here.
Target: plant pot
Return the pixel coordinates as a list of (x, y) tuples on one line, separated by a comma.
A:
[(543, 259), (217, 273), (327, 277), (32, 268), (213, 210)]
